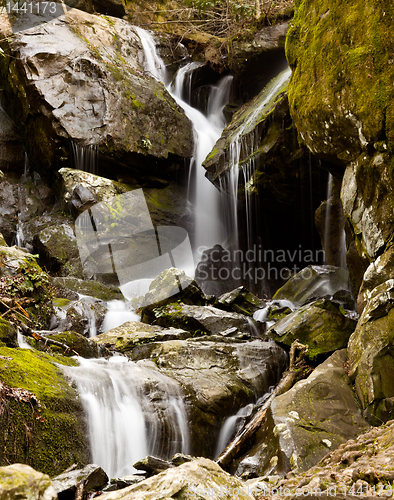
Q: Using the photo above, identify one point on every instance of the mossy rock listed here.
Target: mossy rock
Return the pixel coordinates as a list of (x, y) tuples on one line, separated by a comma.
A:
[(241, 301), (371, 355), (77, 344), (322, 325), (51, 437), (23, 482), (8, 334), (313, 282), (69, 288)]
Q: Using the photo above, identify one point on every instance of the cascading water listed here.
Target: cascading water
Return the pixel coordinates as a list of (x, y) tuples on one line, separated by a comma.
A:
[(85, 157), (117, 314), (207, 130), (242, 159), (133, 411)]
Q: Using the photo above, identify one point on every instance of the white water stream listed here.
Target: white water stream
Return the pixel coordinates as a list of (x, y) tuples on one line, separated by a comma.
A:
[(133, 411), (209, 228)]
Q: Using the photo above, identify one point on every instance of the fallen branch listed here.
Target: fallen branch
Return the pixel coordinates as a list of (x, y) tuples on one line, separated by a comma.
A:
[(28, 332), (290, 377)]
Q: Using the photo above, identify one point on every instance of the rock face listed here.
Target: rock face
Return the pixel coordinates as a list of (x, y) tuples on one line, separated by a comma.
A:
[(342, 105), (321, 325), (312, 418), (21, 481), (8, 333), (44, 426), (81, 79), (371, 354), (66, 484), (200, 477)]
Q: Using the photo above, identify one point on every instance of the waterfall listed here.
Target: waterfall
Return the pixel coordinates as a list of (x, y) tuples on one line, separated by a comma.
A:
[(85, 157), (339, 235), (242, 161), (117, 314), (133, 411), (207, 130)]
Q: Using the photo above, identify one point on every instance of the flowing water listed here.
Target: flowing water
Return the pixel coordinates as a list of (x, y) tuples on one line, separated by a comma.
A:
[(133, 411), (242, 161), (205, 197), (118, 313)]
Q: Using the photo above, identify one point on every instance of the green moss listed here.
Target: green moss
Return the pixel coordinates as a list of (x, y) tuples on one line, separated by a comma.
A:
[(50, 438)]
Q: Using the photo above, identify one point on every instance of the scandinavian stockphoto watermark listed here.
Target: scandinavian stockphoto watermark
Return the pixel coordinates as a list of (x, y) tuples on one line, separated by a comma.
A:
[(25, 14), (256, 263)]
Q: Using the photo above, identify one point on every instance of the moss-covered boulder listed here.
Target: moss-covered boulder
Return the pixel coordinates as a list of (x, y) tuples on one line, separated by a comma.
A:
[(93, 91), (23, 482), (371, 354), (133, 333), (322, 325), (43, 425), (313, 282), (8, 334), (305, 423), (70, 288), (73, 344)]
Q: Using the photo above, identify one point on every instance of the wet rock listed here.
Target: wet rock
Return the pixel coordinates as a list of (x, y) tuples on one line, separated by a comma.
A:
[(108, 97), (119, 483), (322, 325), (305, 423), (8, 334), (371, 355), (132, 334), (218, 377), (199, 319), (84, 316), (241, 301), (58, 249), (66, 484), (77, 343), (312, 283), (116, 8), (200, 476), (23, 482), (172, 285), (81, 189)]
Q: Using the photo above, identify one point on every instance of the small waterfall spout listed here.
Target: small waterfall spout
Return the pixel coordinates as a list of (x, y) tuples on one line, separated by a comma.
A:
[(133, 410), (207, 130), (242, 161)]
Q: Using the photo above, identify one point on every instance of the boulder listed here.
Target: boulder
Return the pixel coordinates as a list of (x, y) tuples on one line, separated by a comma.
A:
[(84, 316), (200, 477), (172, 285), (82, 80), (44, 413), (23, 482), (133, 333), (322, 325), (77, 343), (200, 319), (241, 301), (57, 246), (217, 375), (71, 288), (371, 355), (66, 484), (306, 422), (8, 334), (312, 283)]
